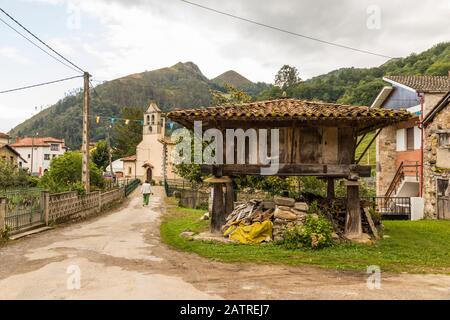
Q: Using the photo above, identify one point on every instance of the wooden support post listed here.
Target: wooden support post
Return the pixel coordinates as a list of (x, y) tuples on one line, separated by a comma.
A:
[(3, 205), (353, 227), (229, 198), (218, 208), (330, 189)]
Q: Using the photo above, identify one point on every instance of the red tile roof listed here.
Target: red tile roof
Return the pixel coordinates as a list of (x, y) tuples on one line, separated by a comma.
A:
[(313, 112), (4, 135), (423, 83), (129, 158), (36, 142)]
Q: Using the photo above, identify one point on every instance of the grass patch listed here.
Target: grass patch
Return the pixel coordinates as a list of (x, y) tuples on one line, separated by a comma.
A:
[(412, 246)]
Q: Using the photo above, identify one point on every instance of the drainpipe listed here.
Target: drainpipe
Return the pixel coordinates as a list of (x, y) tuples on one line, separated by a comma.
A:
[(421, 98)]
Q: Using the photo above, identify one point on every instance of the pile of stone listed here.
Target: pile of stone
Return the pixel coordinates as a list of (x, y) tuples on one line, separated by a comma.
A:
[(288, 214)]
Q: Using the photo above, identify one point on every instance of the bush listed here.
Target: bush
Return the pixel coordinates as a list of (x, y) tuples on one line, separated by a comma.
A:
[(315, 234), (65, 174)]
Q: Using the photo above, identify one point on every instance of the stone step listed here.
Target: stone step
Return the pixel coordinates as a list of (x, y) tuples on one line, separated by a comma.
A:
[(29, 231)]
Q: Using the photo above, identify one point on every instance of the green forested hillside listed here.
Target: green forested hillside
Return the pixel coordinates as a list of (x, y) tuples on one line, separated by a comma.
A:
[(361, 85), (183, 85)]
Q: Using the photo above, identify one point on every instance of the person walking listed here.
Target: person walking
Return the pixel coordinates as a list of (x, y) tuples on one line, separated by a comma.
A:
[(146, 191)]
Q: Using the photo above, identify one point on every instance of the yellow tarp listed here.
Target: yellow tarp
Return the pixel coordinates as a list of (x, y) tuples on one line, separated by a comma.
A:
[(254, 233)]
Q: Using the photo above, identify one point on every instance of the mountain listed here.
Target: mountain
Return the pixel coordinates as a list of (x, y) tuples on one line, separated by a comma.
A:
[(233, 78), (361, 85), (183, 85)]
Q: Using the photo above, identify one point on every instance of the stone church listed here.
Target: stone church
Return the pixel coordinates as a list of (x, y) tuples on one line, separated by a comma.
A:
[(154, 152)]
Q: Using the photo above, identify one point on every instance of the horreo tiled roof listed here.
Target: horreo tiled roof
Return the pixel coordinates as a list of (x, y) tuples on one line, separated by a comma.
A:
[(423, 83), (289, 110)]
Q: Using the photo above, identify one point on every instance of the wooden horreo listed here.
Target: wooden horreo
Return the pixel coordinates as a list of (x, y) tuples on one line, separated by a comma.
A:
[(315, 139)]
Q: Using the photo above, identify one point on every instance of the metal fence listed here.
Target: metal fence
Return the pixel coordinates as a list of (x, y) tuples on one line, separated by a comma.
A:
[(130, 187), (24, 208), (392, 207)]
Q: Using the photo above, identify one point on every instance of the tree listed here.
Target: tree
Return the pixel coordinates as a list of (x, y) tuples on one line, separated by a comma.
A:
[(100, 155), (231, 95), (287, 77), (11, 177), (126, 137), (65, 174), (191, 172)]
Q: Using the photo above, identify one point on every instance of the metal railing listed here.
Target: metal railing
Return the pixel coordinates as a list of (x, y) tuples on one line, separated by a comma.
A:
[(130, 187), (406, 168), (392, 207), (24, 208)]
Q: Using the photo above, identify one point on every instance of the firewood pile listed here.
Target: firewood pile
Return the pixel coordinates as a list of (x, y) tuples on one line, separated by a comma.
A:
[(286, 213)]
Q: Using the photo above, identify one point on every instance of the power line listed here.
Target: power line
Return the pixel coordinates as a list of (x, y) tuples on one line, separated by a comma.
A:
[(38, 39), (39, 84), (34, 44), (286, 31)]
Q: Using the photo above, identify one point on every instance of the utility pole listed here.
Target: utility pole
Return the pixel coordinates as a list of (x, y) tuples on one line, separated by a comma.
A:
[(85, 147), (109, 153)]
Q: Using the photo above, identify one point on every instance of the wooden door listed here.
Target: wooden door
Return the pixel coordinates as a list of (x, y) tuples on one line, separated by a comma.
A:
[(443, 199)]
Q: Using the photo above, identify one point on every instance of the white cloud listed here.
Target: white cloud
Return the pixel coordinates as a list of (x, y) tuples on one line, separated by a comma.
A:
[(14, 55)]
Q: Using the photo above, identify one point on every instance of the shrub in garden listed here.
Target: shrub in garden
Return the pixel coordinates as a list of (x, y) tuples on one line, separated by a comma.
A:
[(316, 233)]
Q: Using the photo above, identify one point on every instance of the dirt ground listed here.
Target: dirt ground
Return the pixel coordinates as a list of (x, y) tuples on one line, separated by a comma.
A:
[(119, 256)]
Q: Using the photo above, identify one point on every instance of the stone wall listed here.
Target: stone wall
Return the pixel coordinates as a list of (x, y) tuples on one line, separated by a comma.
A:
[(386, 158), (431, 171)]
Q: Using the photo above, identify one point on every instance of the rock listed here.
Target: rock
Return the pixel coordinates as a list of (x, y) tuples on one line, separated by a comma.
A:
[(177, 194), (281, 222), (284, 201), (314, 215), (268, 205), (335, 237), (283, 214), (301, 206), (284, 208), (187, 234), (205, 216), (364, 238)]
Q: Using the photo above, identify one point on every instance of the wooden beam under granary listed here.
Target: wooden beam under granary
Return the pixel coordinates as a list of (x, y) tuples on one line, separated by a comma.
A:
[(315, 139)]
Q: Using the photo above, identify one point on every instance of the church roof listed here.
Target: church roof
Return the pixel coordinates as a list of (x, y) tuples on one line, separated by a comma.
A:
[(153, 107)]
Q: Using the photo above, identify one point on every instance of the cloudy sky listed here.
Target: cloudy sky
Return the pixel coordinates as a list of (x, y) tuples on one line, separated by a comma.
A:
[(113, 38)]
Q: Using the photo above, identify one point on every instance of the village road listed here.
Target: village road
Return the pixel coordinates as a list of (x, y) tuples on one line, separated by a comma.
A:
[(119, 256)]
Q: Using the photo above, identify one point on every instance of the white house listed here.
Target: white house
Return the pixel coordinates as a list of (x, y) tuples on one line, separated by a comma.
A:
[(39, 152)]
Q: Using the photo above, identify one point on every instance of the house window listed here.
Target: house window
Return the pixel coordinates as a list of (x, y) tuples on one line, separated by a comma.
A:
[(46, 157), (153, 119), (444, 140), (129, 170), (410, 139), (54, 156), (11, 158), (54, 147), (148, 119), (29, 156)]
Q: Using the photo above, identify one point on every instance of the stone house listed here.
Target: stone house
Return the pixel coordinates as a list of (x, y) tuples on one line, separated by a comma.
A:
[(436, 165), (4, 138), (400, 148), (7, 153)]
